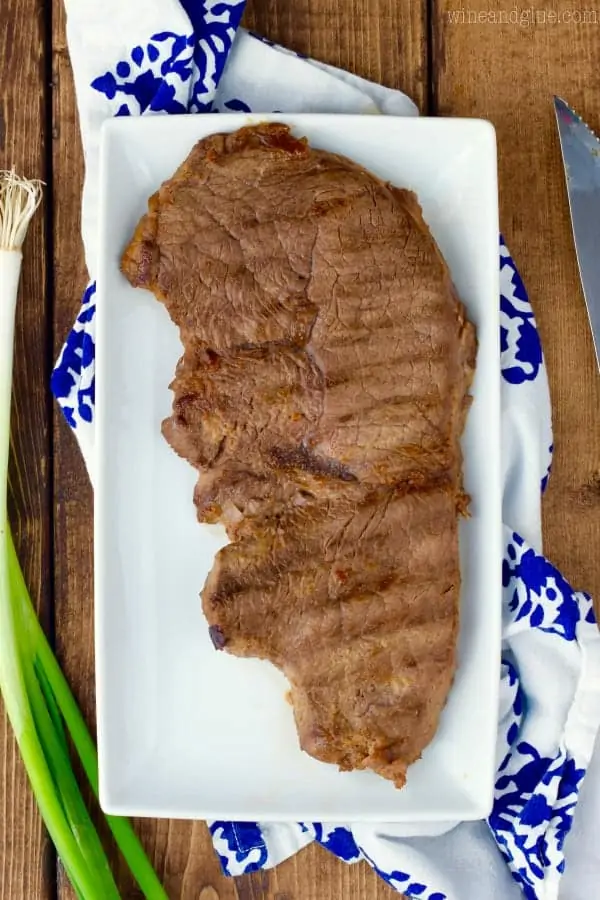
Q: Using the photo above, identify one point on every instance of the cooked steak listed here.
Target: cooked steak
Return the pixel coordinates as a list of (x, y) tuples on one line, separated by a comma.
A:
[(321, 397)]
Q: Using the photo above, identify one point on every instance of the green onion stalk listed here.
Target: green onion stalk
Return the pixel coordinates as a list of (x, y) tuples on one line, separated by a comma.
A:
[(38, 700)]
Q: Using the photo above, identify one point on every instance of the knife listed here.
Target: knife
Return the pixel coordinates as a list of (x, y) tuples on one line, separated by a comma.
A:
[(581, 157)]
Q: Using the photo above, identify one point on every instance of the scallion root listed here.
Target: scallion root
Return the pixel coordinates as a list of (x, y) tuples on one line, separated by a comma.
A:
[(19, 199)]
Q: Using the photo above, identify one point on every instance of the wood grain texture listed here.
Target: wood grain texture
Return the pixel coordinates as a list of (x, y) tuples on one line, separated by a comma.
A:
[(524, 66), (26, 859), (73, 534)]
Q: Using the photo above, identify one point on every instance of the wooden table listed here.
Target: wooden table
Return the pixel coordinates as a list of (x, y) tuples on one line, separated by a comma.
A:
[(504, 72)]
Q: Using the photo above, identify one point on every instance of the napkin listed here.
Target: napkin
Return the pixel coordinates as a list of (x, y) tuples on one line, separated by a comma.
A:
[(153, 57)]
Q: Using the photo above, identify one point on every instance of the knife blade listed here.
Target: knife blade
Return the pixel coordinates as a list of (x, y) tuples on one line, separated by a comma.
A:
[(581, 158)]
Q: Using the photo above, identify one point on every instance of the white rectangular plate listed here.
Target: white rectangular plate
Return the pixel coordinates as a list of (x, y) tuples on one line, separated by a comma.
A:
[(184, 731)]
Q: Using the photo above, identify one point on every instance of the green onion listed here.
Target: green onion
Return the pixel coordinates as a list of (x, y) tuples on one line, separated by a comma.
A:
[(37, 697)]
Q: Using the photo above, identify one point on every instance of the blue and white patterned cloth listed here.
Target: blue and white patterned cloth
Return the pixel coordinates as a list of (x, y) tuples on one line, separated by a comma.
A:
[(164, 56)]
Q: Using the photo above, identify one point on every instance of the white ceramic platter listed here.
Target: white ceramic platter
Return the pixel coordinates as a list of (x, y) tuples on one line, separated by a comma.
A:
[(184, 731)]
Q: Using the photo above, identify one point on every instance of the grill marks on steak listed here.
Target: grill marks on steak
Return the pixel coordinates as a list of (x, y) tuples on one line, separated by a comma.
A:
[(321, 396)]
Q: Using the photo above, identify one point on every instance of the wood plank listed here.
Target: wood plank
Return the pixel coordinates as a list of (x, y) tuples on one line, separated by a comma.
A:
[(370, 46), (73, 581), (524, 67), (26, 857)]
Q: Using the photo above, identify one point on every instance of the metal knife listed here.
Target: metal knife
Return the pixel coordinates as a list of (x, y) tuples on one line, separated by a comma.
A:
[(581, 157)]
